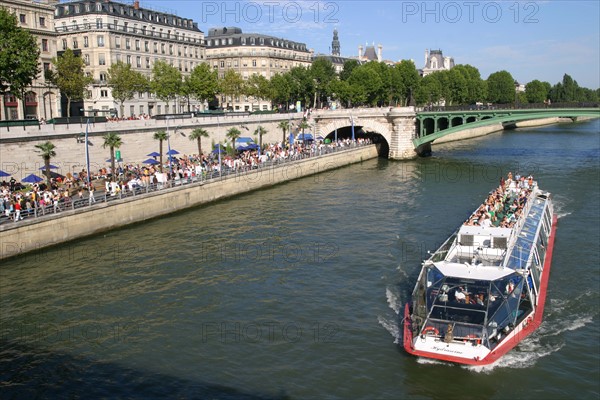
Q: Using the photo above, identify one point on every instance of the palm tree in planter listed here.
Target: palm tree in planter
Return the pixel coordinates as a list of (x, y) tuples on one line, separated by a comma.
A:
[(161, 136), (46, 150), (304, 125), (198, 134), (112, 141), (233, 134), (285, 127), (260, 131)]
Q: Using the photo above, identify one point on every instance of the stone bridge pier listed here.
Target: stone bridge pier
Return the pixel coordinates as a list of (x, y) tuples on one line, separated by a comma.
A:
[(397, 126)]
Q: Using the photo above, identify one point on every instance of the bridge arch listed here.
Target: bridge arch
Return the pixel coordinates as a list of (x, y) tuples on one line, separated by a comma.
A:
[(363, 127)]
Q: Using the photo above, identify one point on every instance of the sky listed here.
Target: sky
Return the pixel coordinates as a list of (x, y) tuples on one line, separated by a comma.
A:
[(530, 39)]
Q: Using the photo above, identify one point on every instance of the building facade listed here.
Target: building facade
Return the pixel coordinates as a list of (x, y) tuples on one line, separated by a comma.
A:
[(249, 54), (42, 100), (435, 61), (104, 32)]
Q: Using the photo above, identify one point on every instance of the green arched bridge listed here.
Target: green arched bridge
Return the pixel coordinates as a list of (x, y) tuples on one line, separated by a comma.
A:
[(432, 125)]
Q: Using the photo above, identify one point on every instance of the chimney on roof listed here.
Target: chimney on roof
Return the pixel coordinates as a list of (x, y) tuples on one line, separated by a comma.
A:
[(360, 51), (136, 5), (379, 53)]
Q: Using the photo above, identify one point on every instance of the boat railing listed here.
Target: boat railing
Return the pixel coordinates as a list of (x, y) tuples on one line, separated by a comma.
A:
[(521, 221)]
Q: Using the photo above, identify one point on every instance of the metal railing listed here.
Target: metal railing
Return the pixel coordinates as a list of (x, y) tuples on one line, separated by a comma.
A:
[(89, 202)]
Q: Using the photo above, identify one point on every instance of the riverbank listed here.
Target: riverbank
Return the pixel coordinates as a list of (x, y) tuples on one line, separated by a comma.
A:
[(71, 225)]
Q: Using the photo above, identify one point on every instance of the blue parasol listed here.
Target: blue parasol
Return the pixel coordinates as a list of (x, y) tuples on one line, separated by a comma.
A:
[(3, 174), (153, 154), (32, 179), (150, 161)]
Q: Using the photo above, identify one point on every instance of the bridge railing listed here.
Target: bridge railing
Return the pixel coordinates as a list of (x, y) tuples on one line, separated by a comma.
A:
[(511, 106)]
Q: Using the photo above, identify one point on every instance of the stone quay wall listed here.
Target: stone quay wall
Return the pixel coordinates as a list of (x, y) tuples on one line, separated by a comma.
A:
[(26, 236)]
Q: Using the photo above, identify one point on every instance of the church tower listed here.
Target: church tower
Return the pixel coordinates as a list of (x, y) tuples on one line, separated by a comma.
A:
[(335, 44)]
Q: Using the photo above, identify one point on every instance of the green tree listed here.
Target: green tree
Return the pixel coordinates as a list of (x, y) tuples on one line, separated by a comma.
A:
[(260, 132), (166, 81), (474, 85), (536, 91), (429, 91), (301, 85), (19, 55), (161, 136), (233, 133), (501, 87), (202, 84), (349, 65), (113, 141), (231, 85), (366, 85), (342, 91), (322, 73), (285, 127), (197, 134), (47, 151), (258, 87), (281, 89), (124, 83), (404, 82), (69, 77)]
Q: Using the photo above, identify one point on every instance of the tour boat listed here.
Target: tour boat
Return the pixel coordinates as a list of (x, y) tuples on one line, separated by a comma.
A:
[(484, 289)]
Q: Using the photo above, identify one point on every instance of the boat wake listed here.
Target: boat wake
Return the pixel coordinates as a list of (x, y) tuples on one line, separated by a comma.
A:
[(560, 208), (392, 326), (393, 300)]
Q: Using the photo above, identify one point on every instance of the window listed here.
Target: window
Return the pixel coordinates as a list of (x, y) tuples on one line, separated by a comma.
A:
[(42, 21), (147, 62), (86, 59), (118, 42), (98, 23), (103, 77), (128, 43), (100, 41), (254, 63), (129, 60), (147, 46), (141, 109), (137, 45), (22, 19), (101, 59), (44, 44), (118, 57), (138, 61), (64, 44), (131, 111), (104, 93), (235, 63), (171, 49), (85, 41), (75, 44), (155, 47), (162, 48)]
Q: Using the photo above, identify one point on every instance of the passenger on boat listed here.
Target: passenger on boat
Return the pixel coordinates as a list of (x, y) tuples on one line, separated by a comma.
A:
[(460, 296)]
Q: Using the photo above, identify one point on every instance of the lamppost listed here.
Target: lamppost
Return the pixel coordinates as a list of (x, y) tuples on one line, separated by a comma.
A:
[(169, 146)]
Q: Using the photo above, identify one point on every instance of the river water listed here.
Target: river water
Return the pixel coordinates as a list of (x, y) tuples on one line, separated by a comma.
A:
[(295, 291)]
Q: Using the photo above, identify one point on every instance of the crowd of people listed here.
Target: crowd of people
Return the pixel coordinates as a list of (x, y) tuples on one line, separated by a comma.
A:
[(73, 191), (504, 206)]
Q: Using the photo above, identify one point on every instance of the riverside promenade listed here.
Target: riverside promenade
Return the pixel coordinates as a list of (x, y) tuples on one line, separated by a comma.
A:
[(52, 229)]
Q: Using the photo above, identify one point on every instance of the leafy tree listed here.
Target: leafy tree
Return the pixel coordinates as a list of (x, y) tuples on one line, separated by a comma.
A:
[(260, 132), (166, 81), (301, 85), (536, 91), (233, 133), (349, 65), (342, 91), (322, 73), (161, 136), (19, 55), (501, 87), (231, 85), (197, 134), (125, 82), (366, 85), (113, 141), (202, 84), (285, 127), (281, 89), (429, 91), (258, 87), (69, 77), (47, 151), (404, 81), (474, 85)]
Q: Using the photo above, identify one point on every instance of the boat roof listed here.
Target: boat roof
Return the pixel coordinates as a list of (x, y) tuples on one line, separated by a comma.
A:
[(483, 230), (470, 271)]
